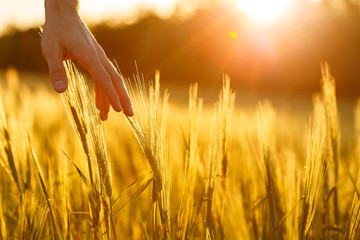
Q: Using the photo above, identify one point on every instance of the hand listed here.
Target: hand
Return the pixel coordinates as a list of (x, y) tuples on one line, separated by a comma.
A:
[(65, 36)]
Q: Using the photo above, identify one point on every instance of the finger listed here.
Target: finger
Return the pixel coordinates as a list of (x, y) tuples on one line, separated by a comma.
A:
[(119, 85), (121, 91), (102, 103), (103, 116), (57, 72), (92, 63), (97, 97), (105, 107), (105, 103)]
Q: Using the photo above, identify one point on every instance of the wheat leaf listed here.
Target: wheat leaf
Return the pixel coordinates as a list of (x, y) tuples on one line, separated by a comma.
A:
[(85, 180), (184, 137), (137, 180), (43, 188), (330, 228), (136, 194)]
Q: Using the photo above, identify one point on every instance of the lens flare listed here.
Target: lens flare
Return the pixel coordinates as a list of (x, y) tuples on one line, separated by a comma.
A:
[(263, 11)]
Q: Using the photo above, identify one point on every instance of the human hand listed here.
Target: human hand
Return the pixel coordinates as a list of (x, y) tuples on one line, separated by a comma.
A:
[(65, 36)]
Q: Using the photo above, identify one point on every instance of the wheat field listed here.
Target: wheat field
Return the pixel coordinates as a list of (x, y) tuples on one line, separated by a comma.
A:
[(175, 171)]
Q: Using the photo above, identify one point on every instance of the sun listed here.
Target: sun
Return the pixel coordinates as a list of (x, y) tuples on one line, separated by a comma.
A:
[(263, 11)]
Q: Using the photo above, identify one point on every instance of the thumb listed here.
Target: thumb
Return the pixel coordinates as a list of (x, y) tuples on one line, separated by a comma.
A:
[(57, 73)]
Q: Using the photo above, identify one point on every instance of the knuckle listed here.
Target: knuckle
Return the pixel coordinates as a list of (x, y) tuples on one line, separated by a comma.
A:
[(87, 53), (107, 85), (88, 49), (104, 83), (84, 53), (46, 47), (56, 74)]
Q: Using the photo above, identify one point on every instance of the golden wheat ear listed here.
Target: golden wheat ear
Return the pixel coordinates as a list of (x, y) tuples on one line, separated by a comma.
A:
[(90, 130), (149, 127), (6, 151), (328, 90), (354, 223), (316, 168)]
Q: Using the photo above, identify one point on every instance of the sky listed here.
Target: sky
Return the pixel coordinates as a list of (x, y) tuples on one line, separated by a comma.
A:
[(28, 13), (260, 48)]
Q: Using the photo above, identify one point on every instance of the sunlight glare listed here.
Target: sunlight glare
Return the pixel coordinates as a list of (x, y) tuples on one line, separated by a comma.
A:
[(233, 35), (263, 11)]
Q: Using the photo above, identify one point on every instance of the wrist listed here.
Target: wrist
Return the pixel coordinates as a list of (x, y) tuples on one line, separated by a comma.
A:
[(61, 8)]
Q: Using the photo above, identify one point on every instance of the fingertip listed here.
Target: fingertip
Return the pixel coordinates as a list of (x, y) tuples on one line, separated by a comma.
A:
[(103, 116), (116, 106), (97, 104), (97, 98), (129, 111), (123, 102), (117, 110)]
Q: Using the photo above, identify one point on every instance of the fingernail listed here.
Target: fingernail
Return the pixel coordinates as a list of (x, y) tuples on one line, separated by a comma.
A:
[(60, 86)]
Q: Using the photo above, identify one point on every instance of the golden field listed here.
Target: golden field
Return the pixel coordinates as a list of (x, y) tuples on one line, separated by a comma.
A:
[(176, 170)]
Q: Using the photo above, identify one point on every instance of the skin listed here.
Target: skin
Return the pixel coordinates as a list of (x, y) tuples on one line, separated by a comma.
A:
[(66, 36)]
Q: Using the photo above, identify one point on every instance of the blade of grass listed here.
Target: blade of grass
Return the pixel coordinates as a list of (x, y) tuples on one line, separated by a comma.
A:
[(137, 180), (83, 177), (330, 228), (43, 188), (135, 195)]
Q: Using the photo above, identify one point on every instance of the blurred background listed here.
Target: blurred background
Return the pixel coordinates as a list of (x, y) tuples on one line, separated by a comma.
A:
[(266, 47)]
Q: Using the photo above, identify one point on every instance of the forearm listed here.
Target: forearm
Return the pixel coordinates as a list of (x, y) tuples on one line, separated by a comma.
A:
[(54, 8)]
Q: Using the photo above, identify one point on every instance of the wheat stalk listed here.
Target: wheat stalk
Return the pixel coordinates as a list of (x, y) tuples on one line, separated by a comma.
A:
[(333, 133), (3, 234), (354, 218), (354, 223), (219, 153), (226, 104), (149, 128), (211, 175), (6, 151), (91, 134), (192, 160), (266, 119), (316, 169)]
